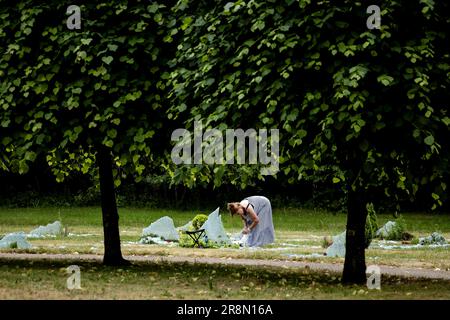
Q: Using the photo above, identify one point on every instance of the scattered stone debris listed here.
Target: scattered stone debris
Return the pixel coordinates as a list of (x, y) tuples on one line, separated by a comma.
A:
[(383, 245), (19, 239), (162, 228), (154, 240), (337, 249), (214, 229), (163, 231), (186, 227), (435, 238), (302, 256), (15, 240), (239, 239), (394, 230), (51, 230), (80, 234), (385, 231)]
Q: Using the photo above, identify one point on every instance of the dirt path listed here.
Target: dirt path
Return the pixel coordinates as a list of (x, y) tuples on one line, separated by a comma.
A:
[(316, 266)]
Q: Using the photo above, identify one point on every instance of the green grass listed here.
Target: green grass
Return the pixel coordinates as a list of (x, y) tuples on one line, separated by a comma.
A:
[(294, 226), (284, 219), (298, 231), (304, 228), (47, 280)]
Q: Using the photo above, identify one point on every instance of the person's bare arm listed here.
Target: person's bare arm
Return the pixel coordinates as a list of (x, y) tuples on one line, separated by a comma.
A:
[(255, 220), (244, 222)]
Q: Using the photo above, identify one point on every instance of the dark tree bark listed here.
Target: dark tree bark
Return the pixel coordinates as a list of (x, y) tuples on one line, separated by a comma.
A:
[(355, 259), (113, 253)]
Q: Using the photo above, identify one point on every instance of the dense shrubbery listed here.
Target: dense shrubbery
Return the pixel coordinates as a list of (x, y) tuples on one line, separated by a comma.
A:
[(199, 220), (197, 223)]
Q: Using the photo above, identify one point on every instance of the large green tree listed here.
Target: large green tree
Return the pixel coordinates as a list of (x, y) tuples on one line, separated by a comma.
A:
[(364, 109), (84, 98)]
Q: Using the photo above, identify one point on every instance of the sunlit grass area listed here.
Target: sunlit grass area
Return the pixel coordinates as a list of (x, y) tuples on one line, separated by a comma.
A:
[(299, 232), (284, 219), (47, 280)]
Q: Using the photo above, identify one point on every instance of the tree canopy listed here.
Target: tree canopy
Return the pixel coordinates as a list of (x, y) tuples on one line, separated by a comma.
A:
[(88, 97), (341, 94), (363, 109), (67, 92)]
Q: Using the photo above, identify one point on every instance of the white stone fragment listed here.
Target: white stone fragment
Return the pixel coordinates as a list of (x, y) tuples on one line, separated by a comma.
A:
[(337, 249), (214, 229), (435, 238), (186, 227), (50, 230), (385, 230), (163, 228), (15, 240)]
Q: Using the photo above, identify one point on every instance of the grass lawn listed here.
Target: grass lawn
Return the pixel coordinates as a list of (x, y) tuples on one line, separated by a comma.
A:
[(47, 280), (298, 232)]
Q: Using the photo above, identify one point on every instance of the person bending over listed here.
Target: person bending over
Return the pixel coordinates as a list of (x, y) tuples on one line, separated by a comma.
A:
[(256, 213)]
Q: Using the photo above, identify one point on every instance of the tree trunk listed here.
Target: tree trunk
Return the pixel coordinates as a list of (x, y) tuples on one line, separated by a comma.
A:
[(113, 253), (355, 260)]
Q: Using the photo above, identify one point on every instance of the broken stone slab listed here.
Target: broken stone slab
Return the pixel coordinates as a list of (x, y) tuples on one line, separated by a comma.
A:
[(51, 230), (214, 230), (386, 230), (337, 249), (435, 238), (15, 240), (163, 228), (186, 227)]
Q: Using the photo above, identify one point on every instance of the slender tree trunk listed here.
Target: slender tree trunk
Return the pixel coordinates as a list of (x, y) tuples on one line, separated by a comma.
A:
[(355, 260), (113, 253)]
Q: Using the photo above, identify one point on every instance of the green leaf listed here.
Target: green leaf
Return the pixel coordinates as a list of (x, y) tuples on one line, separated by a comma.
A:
[(36, 127), (446, 121), (153, 8), (107, 59), (112, 133), (108, 143), (40, 138), (23, 167), (86, 41), (30, 156), (113, 47), (336, 180), (385, 80), (302, 133), (429, 140)]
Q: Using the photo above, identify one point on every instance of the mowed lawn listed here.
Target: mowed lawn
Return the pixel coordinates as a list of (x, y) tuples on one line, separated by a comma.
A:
[(163, 281), (298, 232), (284, 219)]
